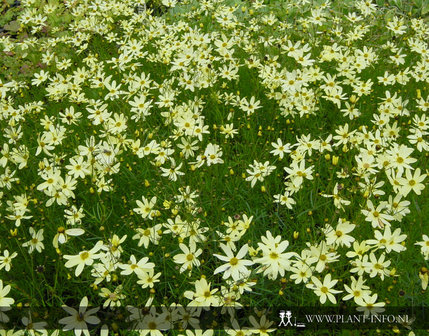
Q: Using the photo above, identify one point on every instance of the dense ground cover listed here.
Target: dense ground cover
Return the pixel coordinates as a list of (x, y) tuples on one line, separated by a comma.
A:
[(212, 154)]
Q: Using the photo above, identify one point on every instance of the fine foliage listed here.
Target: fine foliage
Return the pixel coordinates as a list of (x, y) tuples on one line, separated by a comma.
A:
[(212, 154)]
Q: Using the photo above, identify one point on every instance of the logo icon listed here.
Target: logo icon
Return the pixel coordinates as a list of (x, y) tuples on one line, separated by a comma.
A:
[(286, 320), (285, 314)]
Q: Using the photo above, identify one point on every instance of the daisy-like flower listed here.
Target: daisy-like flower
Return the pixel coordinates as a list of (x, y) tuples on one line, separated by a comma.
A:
[(412, 182), (113, 89), (4, 300), (213, 154), (263, 327), (377, 267), (424, 246), (357, 290), (51, 180), (398, 208), (35, 243), (33, 328), (280, 149), (297, 172), (323, 254), (236, 330), (203, 295), (397, 26), (152, 323), (359, 265), (78, 168), (339, 235), (228, 130), (324, 290), (69, 116), (188, 147), (376, 216), (149, 235), (173, 171), (400, 158), (274, 260), (388, 241), (343, 135), (359, 249), (40, 77), (79, 319), (284, 199), (145, 207), (338, 200), (369, 306), (235, 266), (138, 268), (188, 258), (424, 277), (6, 260), (140, 107), (113, 299), (148, 279), (113, 247), (250, 106), (301, 274), (83, 258), (258, 171)]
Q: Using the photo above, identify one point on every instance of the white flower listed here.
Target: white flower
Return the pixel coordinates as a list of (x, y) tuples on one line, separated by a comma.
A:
[(35, 243), (424, 246), (324, 290), (6, 260), (145, 208), (235, 266), (79, 319), (5, 302), (83, 258)]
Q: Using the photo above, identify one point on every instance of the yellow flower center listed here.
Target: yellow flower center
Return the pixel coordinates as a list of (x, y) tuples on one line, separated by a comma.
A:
[(189, 257), (84, 255), (274, 255), (378, 266), (233, 261)]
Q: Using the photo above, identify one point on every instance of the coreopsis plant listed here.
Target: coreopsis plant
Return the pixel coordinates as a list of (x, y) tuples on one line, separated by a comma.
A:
[(274, 261), (424, 246), (235, 266), (324, 289), (6, 260), (5, 301), (203, 296), (78, 320), (83, 258), (184, 156)]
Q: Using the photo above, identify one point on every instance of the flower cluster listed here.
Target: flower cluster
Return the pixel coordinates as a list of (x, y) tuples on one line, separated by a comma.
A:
[(203, 153)]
